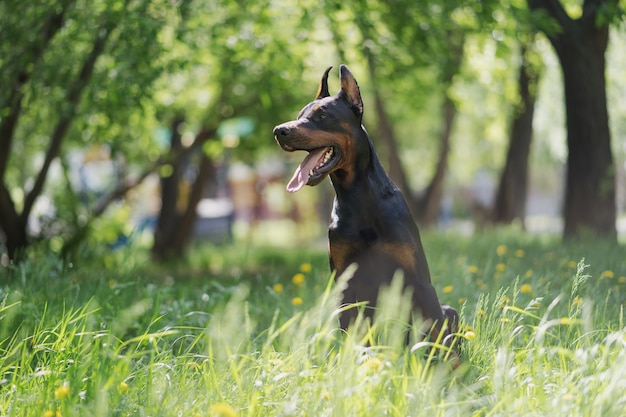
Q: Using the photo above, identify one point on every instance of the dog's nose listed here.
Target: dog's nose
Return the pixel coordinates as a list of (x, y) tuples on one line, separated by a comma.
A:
[(282, 131)]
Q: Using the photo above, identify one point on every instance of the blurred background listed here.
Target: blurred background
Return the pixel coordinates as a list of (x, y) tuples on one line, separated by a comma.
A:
[(151, 121)]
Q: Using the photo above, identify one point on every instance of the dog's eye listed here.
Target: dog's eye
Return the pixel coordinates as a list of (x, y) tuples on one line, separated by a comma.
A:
[(321, 116)]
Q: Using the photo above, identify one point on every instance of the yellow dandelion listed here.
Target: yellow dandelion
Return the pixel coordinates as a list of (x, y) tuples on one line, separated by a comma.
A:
[(448, 289), (500, 267), (122, 388), (565, 321), (621, 280), (52, 413), (519, 253), (572, 264), (462, 300), (469, 335), (481, 313), (473, 269), (296, 301), (278, 288), (501, 250), (325, 395), (608, 274), (222, 410), (578, 300), (526, 289), (62, 392), (529, 273), (306, 267), (372, 365), (298, 279)]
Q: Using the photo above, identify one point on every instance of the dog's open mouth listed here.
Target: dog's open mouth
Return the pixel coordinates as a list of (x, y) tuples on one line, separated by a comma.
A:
[(314, 168)]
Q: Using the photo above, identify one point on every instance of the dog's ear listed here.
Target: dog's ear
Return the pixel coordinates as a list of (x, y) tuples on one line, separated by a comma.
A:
[(323, 90), (350, 91)]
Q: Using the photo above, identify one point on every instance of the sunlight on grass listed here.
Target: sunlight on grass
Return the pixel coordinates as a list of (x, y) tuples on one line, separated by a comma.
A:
[(238, 344)]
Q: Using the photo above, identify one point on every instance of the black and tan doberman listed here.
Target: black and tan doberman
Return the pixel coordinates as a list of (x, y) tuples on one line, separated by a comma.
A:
[(371, 224)]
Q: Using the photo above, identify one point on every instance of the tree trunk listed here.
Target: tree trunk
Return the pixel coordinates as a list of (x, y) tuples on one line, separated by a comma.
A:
[(590, 191), (510, 200), (430, 202), (187, 221), (12, 225), (168, 216)]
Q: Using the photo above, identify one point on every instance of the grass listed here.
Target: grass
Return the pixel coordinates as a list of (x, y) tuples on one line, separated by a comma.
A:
[(251, 331)]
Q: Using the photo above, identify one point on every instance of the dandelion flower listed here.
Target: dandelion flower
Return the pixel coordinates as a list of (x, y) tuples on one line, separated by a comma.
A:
[(62, 392), (622, 280), (448, 289), (298, 279), (565, 321), (572, 264), (278, 288), (469, 335), (462, 300), (500, 267), (296, 301), (372, 365), (222, 410), (519, 253), (52, 413), (526, 289), (122, 388), (305, 267), (501, 250), (473, 269), (578, 300), (608, 274)]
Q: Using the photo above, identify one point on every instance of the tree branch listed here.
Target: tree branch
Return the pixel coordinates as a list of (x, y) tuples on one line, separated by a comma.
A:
[(37, 49), (202, 136), (67, 114)]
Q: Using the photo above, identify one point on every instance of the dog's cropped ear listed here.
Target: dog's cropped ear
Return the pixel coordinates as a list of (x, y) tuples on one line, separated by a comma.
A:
[(350, 91), (323, 90)]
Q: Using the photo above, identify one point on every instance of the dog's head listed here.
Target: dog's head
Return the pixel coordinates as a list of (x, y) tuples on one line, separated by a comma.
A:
[(328, 128)]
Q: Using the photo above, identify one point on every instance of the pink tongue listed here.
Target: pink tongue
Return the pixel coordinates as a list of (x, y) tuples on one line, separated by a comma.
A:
[(301, 176)]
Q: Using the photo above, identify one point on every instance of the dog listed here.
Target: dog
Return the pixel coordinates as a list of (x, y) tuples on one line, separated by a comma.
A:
[(370, 224)]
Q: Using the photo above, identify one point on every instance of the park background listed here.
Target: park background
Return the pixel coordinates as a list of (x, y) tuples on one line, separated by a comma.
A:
[(143, 202)]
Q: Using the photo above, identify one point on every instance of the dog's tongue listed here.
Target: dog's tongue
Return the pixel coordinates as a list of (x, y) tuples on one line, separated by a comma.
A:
[(301, 176)]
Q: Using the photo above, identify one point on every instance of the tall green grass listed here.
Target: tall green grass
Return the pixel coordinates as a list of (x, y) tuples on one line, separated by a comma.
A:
[(238, 331)]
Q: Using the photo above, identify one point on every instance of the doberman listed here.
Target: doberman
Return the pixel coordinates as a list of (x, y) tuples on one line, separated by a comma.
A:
[(371, 224)]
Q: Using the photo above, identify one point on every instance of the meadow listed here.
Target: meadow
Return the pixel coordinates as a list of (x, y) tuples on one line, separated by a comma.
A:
[(251, 330)]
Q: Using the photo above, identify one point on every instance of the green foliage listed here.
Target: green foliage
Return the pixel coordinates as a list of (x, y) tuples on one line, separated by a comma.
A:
[(543, 333)]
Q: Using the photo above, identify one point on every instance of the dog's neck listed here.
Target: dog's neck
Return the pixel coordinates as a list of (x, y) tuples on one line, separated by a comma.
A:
[(365, 182)]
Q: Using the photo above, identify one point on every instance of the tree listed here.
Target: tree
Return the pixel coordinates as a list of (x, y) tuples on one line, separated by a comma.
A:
[(510, 198), (54, 103), (580, 44)]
